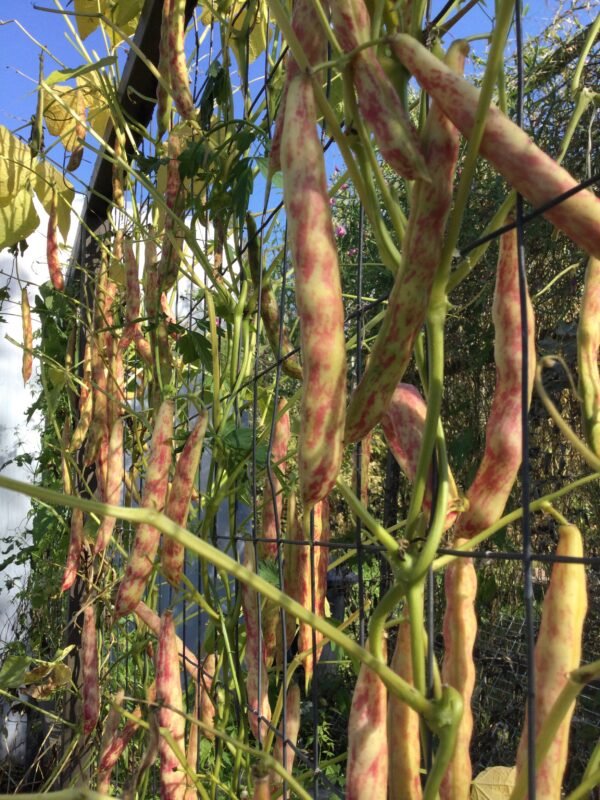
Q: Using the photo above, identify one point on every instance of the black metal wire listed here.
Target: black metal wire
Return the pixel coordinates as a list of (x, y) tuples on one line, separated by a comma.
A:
[(528, 598)]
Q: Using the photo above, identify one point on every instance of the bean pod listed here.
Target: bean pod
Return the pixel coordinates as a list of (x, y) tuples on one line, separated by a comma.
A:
[(409, 298), (588, 345), (147, 537), (368, 764), (318, 295), (506, 146), (170, 712), (557, 653), (180, 497), (27, 367), (90, 689)]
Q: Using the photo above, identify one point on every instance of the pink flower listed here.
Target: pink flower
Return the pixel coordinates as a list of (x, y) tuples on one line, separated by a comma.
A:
[(352, 252), (340, 231), (343, 187), (332, 201)]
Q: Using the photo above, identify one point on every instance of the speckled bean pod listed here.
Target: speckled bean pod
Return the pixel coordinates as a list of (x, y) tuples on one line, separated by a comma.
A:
[(318, 295), (178, 70), (409, 298), (52, 250), (403, 426), (403, 728), (506, 146), (76, 539), (257, 691), (180, 497), (114, 482), (90, 688), (273, 499), (147, 537), (27, 366), (588, 345), (557, 653), (283, 750), (170, 712), (368, 758)]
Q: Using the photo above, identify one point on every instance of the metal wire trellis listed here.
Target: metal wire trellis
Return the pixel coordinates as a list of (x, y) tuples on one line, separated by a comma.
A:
[(237, 523)]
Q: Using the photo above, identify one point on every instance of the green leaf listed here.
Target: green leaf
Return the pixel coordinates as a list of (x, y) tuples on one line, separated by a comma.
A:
[(13, 671), (76, 72), (263, 167), (241, 440), (269, 570), (18, 220), (193, 346)]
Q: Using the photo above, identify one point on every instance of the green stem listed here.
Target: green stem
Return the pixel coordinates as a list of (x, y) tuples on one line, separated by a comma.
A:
[(435, 326), (470, 261), (234, 569), (589, 457), (453, 706), (561, 707), (537, 505), (369, 521), (378, 619), (582, 792), (587, 46)]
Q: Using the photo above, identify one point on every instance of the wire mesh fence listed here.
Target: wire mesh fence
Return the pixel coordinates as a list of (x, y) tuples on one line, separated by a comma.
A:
[(258, 679)]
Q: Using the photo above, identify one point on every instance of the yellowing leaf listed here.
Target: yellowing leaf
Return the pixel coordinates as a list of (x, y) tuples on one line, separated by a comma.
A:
[(494, 783), (15, 165), (47, 176), (87, 25), (124, 14), (64, 111), (18, 219)]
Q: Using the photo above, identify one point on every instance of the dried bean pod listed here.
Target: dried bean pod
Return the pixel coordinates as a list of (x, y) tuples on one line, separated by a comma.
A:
[(273, 499), (113, 485), (259, 709), (27, 367), (178, 70), (318, 295), (52, 251), (170, 712), (458, 670), (89, 669), (367, 767), (76, 540), (284, 748), (180, 496), (147, 537), (403, 728), (557, 653), (269, 308), (506, 146), (409, 298), (403, 426), (152, 620), (588, 345)]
